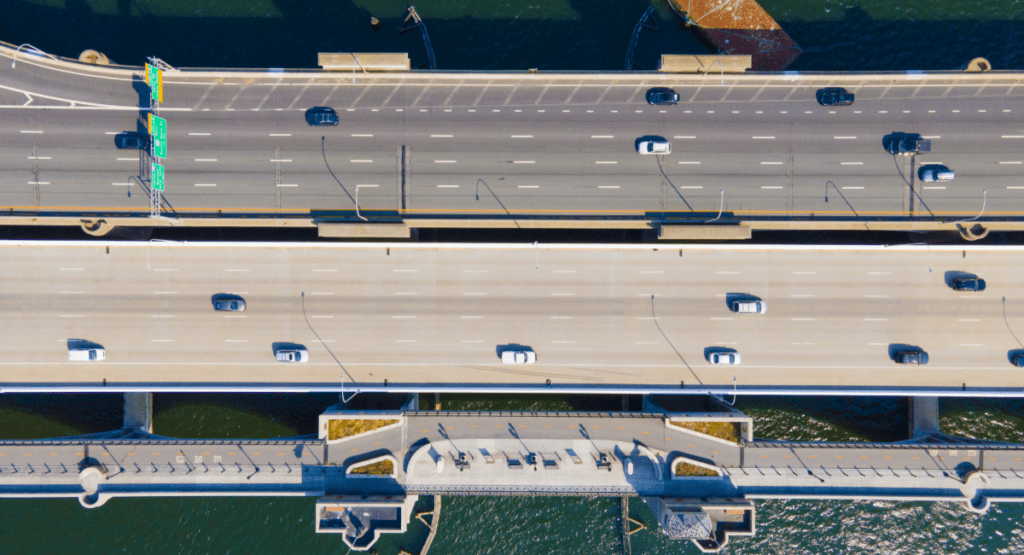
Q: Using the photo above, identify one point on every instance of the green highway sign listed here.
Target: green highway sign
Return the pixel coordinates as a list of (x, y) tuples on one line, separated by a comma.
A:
[(158, 177), (158, 129), (155, 78)]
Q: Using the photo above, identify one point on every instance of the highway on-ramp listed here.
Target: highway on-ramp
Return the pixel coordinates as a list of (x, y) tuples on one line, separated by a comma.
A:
[(437, 314)]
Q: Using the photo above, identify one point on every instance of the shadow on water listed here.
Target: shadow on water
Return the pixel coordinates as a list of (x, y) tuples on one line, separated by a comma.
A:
[(248, 416), (36, 416), (827, 418)]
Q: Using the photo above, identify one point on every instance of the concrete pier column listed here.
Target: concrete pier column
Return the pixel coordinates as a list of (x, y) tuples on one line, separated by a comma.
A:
[(138, 411), (923, 417)]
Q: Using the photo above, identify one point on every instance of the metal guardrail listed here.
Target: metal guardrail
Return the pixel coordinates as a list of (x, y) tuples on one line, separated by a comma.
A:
[(151, 441), (530, 414)]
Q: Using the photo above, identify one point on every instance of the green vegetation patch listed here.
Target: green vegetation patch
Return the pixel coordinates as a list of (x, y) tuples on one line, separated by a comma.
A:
[(337, 429), (687, 469), (729, 431), (379, 468)]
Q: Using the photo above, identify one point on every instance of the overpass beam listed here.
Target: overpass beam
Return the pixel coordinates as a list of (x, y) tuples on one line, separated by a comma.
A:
[(138, 411), (923, 417)]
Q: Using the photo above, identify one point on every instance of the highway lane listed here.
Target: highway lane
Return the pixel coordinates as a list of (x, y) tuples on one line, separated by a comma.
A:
[(762, 139), (409, 314)]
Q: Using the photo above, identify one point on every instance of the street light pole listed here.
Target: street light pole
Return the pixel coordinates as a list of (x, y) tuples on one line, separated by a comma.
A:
[(984, 202), (357, 205), (536, 249), (721, 206)]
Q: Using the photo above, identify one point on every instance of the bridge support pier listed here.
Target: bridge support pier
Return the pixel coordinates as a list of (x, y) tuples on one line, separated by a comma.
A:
[(923, 417), (138, 411)]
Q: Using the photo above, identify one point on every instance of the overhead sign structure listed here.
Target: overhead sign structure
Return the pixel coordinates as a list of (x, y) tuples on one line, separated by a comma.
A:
[(158, 129), (158, 177), (155, 78)]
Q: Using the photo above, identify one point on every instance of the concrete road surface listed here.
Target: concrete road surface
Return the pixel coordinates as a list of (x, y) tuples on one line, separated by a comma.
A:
[(428, 314)]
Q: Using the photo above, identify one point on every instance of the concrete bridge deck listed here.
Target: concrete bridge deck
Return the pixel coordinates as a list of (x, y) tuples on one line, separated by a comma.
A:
[(432, 149)]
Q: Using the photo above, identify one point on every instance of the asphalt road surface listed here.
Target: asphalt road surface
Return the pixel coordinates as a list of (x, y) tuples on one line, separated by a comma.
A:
[(496, 145)]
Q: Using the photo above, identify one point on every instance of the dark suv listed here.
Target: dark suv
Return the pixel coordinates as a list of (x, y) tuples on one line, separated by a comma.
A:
[(834, 96), (321, 115), (911, 356), (968, 284), (131, 141), (905, 143), (662, 96)]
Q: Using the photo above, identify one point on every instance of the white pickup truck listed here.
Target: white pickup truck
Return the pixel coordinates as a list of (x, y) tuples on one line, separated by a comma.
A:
[(749, 307), (518, 356)]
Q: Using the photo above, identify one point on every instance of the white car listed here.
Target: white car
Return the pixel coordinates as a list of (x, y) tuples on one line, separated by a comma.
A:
[(86, 355), (724, 358), (518, 356), (292, 355), (654, 147)]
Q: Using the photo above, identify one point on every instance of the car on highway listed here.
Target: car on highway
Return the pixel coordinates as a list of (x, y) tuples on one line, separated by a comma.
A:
[(86, 354), (654, 146), (131, 141), (834, 96), (750, 307), (662, 96), (911, 356), (1018, 360), (518, 356), (292, 355), (724, 358), (231, 304), (905, 143), (935, 172), (321, 115), (968, 283)]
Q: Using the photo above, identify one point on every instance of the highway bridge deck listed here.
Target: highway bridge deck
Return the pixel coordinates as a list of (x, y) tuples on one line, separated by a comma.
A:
[(388, 315)]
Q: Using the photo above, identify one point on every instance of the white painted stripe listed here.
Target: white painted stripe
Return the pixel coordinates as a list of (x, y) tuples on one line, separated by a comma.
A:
[(689, 163), (444, 161), (205, 184), (844, 138), (608, 187), (361, 161), (72, 316), (121, 184), (127, 159), (854, 188), (27, 131), (199, 134), (72, 292), (602, 136), (72, 269), (684, 136), (1010, 163), (279, 160), (362, 134), (690, 187), (771, 163), (770, 187), (448, 186), (206, 159), (851, 163), (606, 162), (767, 138), (1013, 136), (442, 136), (280, 134), (38, 182), (931, 136), (522, 136), (523, 161), (404, 317), (529, 186), (933, 187), (287, 184), (42, 158)]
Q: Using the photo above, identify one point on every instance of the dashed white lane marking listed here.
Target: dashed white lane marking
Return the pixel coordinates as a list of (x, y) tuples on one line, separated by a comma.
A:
[(803, 343), (522, 136), (161, 316), (854, 188), (361, 161), (771, 186), (448, 186), (121, 184), (162, 340), (232, 340), (474, 294), (608, 187), (564, 342), (42, 158), (287, 184), (206, 159), (563, 294), (1013, 136), (237, 270), (652, 271), (606, 162), (969, 320), (38, 182), (972, 344), (771, 163), (320, 316), (127, 159), (72, 316), (726, 272), (529, 186), (165, 292), (370, 185), (646, 317), (851, 163), (876, 296), (844, 137), (804, 273), (406, 293), (602, 136), (933, 187), (30, 131), (72, 269), (471, 317), (441, 136), (931, 136), (325, 269), (405, 271), (876, 319), (405, 341), (561, 317), (690, 187), (564, 271), (721, 318), (684, 136), (199, 134), (362, 134), (800, 296), (444, 161), (764, 137), (280, 134), (72, 292), (472, 341), (1013, 163), (689, 163), (280, 160), (879, 273), (524, 161), (802, 319), (322, 293), (1014, 187), (205, 184), (404, 317)]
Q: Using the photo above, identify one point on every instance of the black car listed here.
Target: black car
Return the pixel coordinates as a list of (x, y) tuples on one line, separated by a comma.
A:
[(321, 115), (662, 96), (905, 143), (911, 356), (968, 284), (834, 96), (131, 141)]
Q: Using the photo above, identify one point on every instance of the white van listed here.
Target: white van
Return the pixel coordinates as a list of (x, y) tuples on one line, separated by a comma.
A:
[(86, 355), (750, 307)]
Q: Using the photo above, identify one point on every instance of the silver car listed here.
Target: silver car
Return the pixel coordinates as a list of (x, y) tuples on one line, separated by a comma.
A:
[(724, 358), (935, 172), (654, 147), (292, 355)]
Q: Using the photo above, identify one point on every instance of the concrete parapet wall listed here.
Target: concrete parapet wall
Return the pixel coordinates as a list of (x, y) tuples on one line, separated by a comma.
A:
[(692, 63), (364, 61)]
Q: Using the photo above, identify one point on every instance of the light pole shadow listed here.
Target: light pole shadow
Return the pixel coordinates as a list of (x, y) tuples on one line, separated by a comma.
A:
[(669, 341), (827, 183), (674, 188), (329, 351), (323, 150), (502, 204), (915, 193)]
